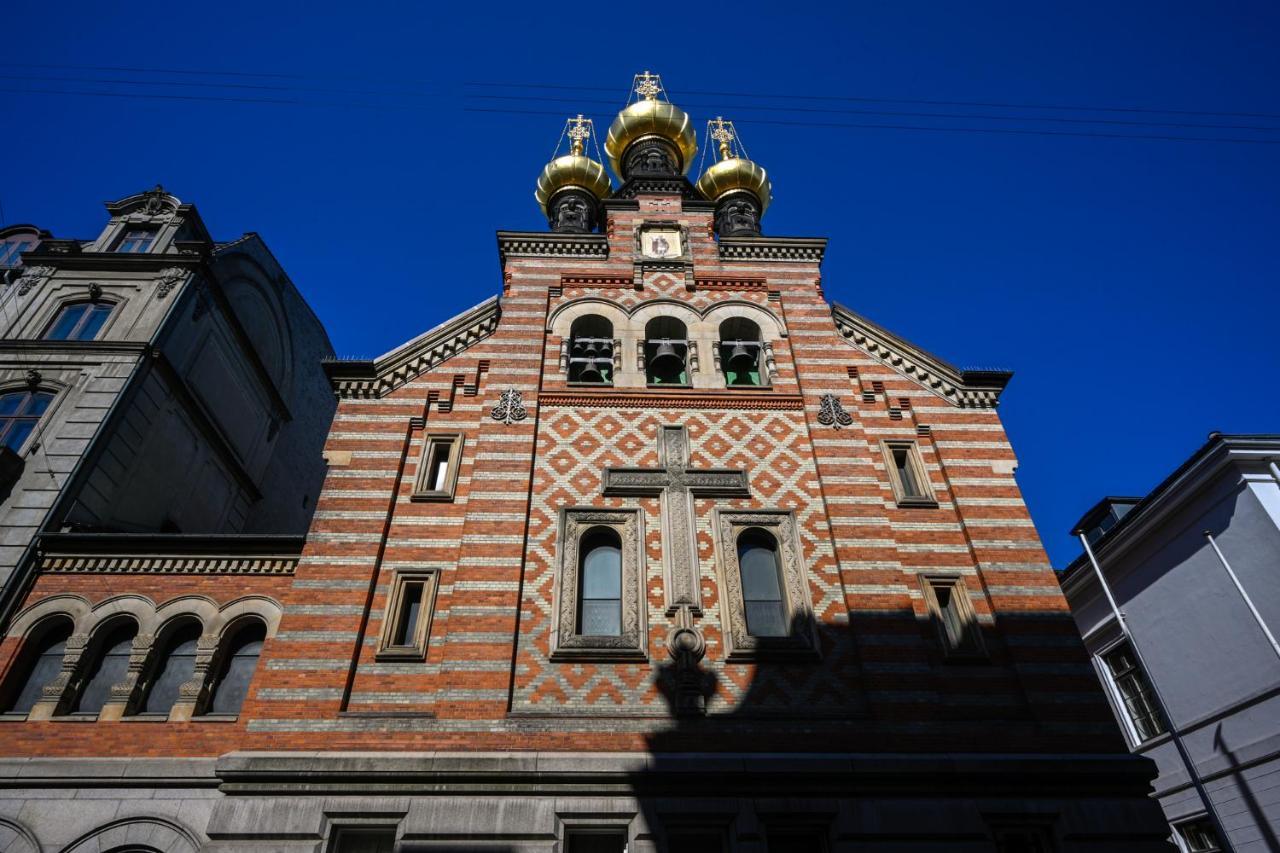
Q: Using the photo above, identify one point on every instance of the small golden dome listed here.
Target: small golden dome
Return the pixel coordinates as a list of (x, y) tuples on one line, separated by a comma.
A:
[(574, 171), (736, 175), (647, 118)]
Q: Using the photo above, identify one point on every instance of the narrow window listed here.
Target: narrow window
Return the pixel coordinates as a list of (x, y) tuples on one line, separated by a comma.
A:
[(740, 352), (239, 661), (363, 841), (1135, 692), (666, 350), (43, 663), (107, 669), (600, 580), (761, 584), (175, 666), (20, 411), (1199, 836), (407, 621), (80, 321), (591, 351), (438, 471), (596, 841), (907, 474), (953, 613), (136, 241)]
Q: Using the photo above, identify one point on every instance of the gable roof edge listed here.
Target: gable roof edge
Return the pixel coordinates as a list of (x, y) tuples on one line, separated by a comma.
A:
[(968, 389), (365, 378)]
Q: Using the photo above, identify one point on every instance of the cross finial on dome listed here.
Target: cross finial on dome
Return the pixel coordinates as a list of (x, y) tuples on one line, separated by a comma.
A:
[(722, 132), (579, 132), (648, 85)]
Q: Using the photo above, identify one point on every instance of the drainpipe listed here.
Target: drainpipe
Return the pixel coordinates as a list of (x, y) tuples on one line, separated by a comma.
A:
[(1218, 826), (1257, 617)]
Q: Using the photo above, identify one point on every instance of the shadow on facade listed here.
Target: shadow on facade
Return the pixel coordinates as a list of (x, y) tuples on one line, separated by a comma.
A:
[(1260, 817)]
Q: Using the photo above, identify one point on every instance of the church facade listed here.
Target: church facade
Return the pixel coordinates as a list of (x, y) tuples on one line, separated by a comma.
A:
[(656, 550)]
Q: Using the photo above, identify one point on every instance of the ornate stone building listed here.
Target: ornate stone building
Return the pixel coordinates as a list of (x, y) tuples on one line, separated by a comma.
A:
[(655, 550)]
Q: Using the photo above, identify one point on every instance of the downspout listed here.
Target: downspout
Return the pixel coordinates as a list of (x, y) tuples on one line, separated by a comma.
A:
[(1218, 826), (1257, 617)]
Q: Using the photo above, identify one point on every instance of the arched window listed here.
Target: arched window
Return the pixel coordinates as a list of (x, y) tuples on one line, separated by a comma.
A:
[(41, 663), (78, 321), (740, 352), (666, 350), (591, 350), (239, 660), (108, 667), (761, 584), (600, 583), (174, 666), (20, 411)]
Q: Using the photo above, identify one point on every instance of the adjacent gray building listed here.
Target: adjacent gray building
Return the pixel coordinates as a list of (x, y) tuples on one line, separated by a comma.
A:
[(153, 380), (1177, 596)]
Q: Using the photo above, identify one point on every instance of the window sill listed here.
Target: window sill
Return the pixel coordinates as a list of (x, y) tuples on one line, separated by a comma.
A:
[(602, 654), (917, 503), (215, 718), (652, 386), (405, 655), (431, 497), (13, 717), (589, 384)]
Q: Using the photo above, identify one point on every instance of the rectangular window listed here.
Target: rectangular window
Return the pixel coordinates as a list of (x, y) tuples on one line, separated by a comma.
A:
[(907, 474), (954, 616), (438, 468), (136, 241), (1198, 836), (1134, 692), (596, 841), (80, 321), (363, 841), (406, 624), (11, 251)]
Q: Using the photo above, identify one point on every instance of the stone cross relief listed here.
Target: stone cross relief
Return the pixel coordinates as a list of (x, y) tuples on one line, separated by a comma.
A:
[(676, 485)]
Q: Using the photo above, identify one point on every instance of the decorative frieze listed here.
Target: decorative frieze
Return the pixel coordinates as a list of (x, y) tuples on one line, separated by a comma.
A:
[(805, 250), (673, 400)]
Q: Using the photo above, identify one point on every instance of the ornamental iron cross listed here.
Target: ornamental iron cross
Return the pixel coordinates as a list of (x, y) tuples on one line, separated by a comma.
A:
[(677, 485)]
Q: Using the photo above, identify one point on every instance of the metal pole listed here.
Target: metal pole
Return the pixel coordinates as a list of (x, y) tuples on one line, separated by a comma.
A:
[(1275, 472), (1212, 811), (1257, 617)]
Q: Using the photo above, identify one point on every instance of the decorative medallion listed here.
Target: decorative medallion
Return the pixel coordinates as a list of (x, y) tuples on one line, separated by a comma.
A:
[(661, 243), (168, 280), (831, 413), (510, 408), (29, 278)]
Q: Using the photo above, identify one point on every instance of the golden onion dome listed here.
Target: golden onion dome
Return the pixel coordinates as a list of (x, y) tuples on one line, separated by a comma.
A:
[(736, 174), (649, 118), (572, 171)]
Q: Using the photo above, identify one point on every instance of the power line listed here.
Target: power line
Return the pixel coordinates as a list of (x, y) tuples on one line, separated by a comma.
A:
[(226, 99), (196, 72), (855, 99), (982, 117), (952, 129), (205, 85)]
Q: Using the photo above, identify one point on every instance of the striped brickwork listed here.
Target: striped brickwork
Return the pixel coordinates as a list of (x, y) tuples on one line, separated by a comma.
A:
[(488, 682)]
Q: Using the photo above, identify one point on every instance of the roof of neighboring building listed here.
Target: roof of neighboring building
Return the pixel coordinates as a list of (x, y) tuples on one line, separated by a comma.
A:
[(1218, 447)]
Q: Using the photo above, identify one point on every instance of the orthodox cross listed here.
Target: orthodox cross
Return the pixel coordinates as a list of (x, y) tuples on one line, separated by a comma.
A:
[(722, 132), (677, 485), (579, 131), (648, 85)]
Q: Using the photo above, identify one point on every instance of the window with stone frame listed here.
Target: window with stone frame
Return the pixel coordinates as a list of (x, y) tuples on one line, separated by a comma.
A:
[(238, 661), (907, 474), (1198, 836), (695, 839), (406, 625), (1134, 693), (784, 838), (79, 321), (136, 240), (954, 617), (174, 666), (437, 478), (740, 354), (666, 352), (40, 663), (604, 840), (760, 620), (20, 411), (600, 603), (591, 351), (363, 839), (108, 664)]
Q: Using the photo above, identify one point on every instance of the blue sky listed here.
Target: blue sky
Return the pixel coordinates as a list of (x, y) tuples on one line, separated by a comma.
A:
[(1131, 284)]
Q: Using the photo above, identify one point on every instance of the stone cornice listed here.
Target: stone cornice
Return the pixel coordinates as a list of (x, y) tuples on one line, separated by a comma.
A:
[(970, 389), (539, 244), (622, 399), (111, 261), (805, 250), (367, 378), (178, 554)]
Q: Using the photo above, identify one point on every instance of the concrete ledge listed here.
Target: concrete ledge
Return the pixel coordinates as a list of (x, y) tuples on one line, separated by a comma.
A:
[(112, 772)]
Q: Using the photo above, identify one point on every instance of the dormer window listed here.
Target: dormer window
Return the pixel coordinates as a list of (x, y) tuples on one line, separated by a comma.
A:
[(591, 351), (11, 250), (136, 241), (79, 321), (741, 352), (666, 350)]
